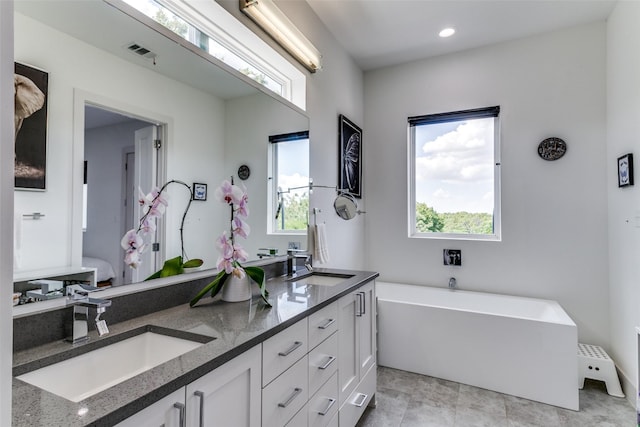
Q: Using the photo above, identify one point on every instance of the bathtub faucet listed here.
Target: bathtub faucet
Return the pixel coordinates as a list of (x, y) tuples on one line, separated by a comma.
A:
[(452, 283)]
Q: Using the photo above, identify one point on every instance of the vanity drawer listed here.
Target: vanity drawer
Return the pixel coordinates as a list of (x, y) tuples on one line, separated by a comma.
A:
[(286, 395), (299, 419), (323, 406), (357, 402), (322, 324), (323, 363), (283, 350)]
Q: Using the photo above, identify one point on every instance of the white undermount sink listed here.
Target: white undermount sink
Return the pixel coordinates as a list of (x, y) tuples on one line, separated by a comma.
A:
[(321, 279), (84, 375)]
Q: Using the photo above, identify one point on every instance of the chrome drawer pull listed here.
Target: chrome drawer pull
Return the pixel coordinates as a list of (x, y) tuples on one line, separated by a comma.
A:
[(182, 409), (326, 325), (359, 311), (362, 397), (328, 408), (296, 392), (201, 396), (291, 350), (329, 362)]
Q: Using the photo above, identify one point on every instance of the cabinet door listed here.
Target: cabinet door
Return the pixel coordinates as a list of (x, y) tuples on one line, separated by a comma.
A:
[(348, 345), (367, 326), (228, 396), (166, 412)]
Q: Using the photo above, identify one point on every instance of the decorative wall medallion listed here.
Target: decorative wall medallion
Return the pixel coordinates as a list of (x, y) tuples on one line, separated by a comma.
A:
[(244, 172), (552, 148)]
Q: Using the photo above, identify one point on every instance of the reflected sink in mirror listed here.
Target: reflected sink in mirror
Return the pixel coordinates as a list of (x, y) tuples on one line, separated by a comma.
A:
[(82, 376), (320, 279)]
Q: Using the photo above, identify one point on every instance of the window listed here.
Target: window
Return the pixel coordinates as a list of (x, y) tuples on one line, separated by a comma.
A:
[(454, 179), (289, 182), (212, 29)]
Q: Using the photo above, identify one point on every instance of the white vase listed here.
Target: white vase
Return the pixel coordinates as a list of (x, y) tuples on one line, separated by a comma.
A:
[(235, 290)]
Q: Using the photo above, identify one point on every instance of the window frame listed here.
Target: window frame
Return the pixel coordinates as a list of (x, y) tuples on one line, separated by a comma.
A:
[(212, 20), (272, 190), (412, 123)]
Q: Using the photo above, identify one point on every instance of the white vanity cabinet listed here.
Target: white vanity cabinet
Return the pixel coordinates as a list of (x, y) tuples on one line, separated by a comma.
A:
[(229, 395), (168, 412), (318, 372), (357, 352), (285, 383)]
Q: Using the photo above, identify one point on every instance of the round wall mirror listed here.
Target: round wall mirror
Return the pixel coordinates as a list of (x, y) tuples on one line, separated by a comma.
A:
[(345, 206)]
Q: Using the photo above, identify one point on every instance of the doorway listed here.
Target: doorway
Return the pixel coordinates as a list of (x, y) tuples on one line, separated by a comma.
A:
[(121, 155)]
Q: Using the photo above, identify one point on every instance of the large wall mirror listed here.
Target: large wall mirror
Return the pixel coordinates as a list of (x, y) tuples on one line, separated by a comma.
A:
[(101, 96)]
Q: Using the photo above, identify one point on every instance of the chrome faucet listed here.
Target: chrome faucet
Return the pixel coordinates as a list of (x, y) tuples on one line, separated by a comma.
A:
[(292, 255), (452, 283), (79, 323)]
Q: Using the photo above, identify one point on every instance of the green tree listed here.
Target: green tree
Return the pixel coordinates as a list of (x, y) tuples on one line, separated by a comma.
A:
[(468, 223), (173, 23), (427, 219), (295, 211), (258, 77)]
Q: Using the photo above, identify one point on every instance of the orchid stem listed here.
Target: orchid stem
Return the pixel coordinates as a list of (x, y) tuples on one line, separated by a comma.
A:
[(184, 215)]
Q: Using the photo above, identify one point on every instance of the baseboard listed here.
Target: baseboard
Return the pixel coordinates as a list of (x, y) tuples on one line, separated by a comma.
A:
[(628, 387)]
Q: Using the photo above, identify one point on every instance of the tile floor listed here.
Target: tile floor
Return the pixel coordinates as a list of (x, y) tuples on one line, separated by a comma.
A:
[(407, 400)]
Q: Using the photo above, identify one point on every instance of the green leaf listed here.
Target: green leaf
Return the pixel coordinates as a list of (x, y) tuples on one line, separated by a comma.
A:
[(213, 287), (193, 263), (154, 275), (257, 275), (172, 267)]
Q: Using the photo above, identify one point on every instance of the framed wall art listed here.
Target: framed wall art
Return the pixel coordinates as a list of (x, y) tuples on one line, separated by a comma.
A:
[(625, 170), (350, 157), (30, 136), (199, 191)]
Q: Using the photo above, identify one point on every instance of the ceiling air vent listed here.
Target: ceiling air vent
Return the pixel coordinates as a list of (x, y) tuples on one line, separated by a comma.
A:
[(141, 50)]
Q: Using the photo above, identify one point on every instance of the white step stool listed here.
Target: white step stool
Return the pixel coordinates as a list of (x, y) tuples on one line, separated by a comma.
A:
[(595, 363)]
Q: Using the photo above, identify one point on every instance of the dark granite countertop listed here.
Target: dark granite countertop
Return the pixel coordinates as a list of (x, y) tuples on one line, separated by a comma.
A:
[(236, 326)]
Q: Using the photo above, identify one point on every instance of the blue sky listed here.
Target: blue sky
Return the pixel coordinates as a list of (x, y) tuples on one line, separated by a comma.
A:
[(293, 165), (455, 165)]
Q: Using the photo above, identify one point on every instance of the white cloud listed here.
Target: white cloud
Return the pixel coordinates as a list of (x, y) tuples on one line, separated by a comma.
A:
[(462, 155), (293, 181), (441, 194)]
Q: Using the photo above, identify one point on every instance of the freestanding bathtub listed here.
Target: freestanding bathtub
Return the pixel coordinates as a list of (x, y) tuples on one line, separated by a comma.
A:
[(524, 347)]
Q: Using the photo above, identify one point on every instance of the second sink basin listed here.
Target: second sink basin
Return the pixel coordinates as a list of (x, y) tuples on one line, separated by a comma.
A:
[(84, 375), (321, 279)]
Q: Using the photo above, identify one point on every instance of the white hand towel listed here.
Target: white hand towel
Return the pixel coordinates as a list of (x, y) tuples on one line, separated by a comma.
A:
[(322, 251), (17, 241), (311, 241)]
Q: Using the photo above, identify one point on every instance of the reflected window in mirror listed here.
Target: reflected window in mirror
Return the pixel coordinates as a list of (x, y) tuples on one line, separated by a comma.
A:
[(202, 27), (289, 182)]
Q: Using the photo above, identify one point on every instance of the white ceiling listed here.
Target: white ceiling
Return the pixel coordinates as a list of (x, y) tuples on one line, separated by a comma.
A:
[(379, 33)]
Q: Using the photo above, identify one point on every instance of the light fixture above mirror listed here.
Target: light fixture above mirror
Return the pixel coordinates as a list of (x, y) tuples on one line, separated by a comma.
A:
[(271, 19)]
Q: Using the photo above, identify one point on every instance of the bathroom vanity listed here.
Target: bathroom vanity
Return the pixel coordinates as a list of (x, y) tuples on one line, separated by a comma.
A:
[(308, 360)]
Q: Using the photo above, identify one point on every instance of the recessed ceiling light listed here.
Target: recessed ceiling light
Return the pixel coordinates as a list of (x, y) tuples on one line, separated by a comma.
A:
[(447, 32)]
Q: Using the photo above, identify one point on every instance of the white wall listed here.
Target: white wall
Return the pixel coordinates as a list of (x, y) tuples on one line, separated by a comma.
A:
[(196, 125), (6, 206), (623, 136), (249, 145), (554, 238), (104, 149), (336, 89)]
